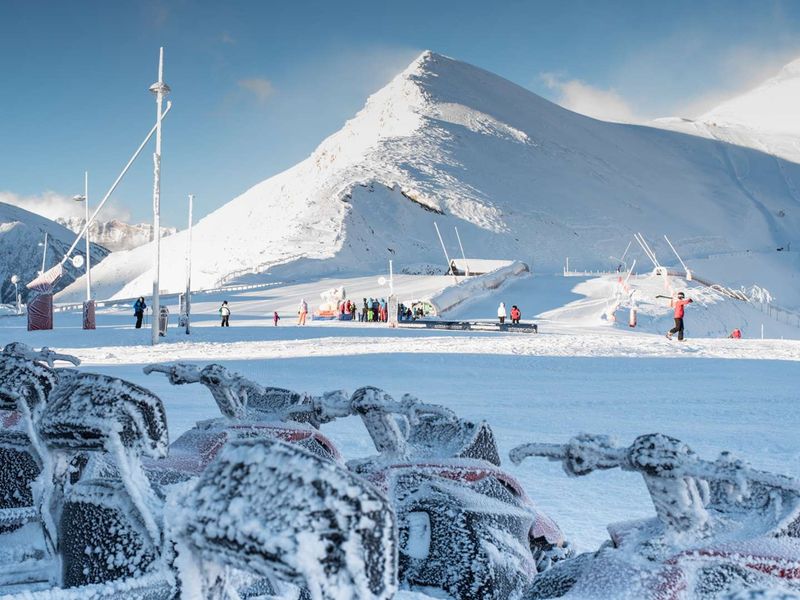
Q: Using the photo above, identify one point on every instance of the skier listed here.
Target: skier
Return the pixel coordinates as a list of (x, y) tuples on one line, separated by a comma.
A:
[(225, 313), (364, 310), (515, 315), (501, 312), (302, 312), (138, 311), (679, 305), (736, 334), (275, 318)]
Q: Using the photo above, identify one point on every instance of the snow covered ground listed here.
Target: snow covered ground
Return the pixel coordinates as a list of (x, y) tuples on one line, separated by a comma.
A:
[(581, 373)]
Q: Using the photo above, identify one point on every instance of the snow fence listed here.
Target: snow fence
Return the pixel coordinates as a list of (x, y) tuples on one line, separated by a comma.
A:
[(472, 287)]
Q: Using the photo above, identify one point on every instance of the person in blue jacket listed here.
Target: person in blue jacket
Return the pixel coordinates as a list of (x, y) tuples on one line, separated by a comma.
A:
[(138, 310)]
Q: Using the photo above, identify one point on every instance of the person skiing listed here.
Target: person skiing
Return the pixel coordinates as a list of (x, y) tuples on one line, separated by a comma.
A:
[(302, 312), (275, 318), (225, 313), (515, 315), (138, 311), (679, 304), (501, 312)]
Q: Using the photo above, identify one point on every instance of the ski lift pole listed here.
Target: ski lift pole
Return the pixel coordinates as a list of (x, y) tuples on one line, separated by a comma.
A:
[(463, 256), (683, 264), (628, 276), (447, 258), (624, 254), (648, 252)]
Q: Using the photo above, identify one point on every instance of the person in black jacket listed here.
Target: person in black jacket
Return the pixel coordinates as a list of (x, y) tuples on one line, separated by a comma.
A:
[(138, 310)]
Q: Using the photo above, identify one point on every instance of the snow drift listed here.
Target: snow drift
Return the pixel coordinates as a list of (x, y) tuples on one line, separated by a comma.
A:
[(519, 176)]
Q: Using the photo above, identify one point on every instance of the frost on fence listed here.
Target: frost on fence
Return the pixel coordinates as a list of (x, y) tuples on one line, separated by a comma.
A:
[(273, 509)]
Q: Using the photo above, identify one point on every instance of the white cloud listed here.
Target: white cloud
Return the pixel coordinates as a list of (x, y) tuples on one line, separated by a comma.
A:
[(262, 89), (52, 206), (581, 97)]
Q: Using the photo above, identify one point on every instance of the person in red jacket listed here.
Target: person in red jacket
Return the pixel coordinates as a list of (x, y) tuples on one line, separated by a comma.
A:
[(679, 305), (515, 314)]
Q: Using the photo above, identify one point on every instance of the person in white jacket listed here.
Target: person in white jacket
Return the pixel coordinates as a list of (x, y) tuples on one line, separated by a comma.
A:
[(501, 312)]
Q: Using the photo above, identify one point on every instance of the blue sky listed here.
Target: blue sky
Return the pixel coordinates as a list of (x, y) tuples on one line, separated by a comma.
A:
[(257, 85)]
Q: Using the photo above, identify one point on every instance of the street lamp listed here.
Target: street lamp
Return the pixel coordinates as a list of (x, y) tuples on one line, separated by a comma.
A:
[(160, 89), (85, 199)]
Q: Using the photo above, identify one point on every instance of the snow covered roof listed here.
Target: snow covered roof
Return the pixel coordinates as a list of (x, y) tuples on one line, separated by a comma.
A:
[(477, 266)]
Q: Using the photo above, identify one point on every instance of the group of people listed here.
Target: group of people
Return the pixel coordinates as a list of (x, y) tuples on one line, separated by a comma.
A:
[(502, 314), (374, 310)]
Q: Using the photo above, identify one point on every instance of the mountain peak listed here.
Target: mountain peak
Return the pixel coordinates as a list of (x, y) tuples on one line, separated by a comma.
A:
[(771, 107)]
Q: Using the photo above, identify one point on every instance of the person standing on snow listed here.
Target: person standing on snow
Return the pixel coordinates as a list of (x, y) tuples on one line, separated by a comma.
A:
[(138, 311), (225, 313), (515, 315), (679, 305), (501, 312), (275, 318), (302, 312)]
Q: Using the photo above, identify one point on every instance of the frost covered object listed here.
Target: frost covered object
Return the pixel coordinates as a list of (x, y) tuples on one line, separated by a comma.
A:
[(257, 490), (113, 529), (27, 378), (465, 526), (720, 527)]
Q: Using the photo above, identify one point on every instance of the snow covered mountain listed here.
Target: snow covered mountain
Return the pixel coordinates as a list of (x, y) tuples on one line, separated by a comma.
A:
[(766, 118), (21, 232), (116, 235), (520, 177)]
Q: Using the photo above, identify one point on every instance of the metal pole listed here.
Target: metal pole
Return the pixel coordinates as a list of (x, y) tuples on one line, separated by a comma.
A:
[(88, 247), (188, 297), (683, 264), (447, 258), (466, 265), (114, 186), (624, 254), (44, 254), (159, 88)]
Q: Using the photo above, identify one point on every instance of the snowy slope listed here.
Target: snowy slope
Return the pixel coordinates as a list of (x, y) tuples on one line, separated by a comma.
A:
[(20, 233), (115, 235), (772, 107), (765, 118), (521, 178)]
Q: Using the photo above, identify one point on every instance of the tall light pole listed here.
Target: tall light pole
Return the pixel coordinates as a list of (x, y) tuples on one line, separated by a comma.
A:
[(188, 297), (85, 199), (160, 89)]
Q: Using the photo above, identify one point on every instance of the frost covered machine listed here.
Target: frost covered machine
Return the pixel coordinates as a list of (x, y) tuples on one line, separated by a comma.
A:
[(238, 512), (463, 524), (722, 529)]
